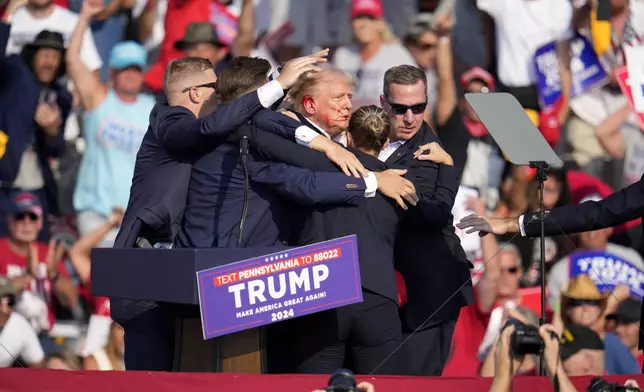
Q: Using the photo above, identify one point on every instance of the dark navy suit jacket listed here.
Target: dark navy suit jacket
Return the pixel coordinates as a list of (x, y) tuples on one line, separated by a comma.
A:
[(173, 140), (216, 194)]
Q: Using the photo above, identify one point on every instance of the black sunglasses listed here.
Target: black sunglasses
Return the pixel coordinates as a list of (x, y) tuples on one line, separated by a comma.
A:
[(581, 302), (26, 214), (211, 85), (399, 108), (512, 270), (425, 46)]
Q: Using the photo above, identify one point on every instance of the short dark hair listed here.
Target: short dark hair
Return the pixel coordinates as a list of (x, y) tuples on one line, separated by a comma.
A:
[(240, 76), (180, 68), (406, 75)]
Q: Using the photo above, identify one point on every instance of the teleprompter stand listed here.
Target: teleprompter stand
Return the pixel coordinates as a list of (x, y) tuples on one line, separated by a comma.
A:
[(168, 277), (522, 144)]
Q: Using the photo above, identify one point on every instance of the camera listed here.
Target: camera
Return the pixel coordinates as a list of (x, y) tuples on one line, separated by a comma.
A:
[(601, 385), (525, 339), (342, 380)]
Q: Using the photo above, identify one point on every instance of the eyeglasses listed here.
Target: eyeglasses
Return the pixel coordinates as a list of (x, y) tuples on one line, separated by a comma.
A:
[(399, 108), (581, 302), (425, 45), (211, 85), (511, 270), (25, 214)]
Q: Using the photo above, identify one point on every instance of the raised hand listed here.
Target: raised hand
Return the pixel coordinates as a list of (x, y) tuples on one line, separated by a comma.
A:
[(48, 117), (293, 69), (339, 155), (55, 253), (551, 347), (92, 7), (393, 185)]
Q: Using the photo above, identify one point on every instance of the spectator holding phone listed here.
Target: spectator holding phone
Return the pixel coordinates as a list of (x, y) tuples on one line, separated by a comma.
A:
[(32, 119)]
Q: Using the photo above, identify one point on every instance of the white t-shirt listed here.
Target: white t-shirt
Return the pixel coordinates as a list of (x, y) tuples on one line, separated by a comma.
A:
[(522, 27), (19, 339), (24, 28), (372, 72), (560, 272)]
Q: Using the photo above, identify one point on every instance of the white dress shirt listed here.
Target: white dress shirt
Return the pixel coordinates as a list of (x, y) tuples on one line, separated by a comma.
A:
[(390, 149), (270, 93), (305, 135)]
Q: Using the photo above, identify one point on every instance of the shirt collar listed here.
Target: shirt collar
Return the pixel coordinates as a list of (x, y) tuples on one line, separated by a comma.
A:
[(339, 138)]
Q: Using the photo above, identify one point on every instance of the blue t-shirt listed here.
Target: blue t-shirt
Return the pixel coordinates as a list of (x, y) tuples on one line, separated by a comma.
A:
[(617, 357)]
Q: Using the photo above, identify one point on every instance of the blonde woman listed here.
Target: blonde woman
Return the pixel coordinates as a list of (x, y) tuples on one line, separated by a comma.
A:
[(109, 357)]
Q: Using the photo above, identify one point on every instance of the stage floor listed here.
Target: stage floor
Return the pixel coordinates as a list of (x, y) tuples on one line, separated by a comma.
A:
[(62, 381)]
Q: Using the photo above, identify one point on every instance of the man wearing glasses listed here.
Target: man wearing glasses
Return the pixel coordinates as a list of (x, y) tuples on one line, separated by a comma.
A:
[(432, 261), (179, 131)]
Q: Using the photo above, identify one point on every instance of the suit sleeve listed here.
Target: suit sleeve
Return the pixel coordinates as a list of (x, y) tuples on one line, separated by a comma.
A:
[(622, 206), (435, 211), (307, 187), (277, 149), (275, 123)]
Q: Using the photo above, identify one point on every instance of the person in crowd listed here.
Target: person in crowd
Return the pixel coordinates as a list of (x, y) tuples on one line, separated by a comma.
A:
[(17, 337), (582, 352), (627, 318), (32, 120), (520, 29), (108, 29), (37, 15), (596, 240), (116, 116), (201, 40), (63, 360), (484, 165), (34, 268), (98, 329), (507, 364), (109, 357), (530, 362), (375, 50), (592, 109), (177, 132), (621, 137), (582, 304)]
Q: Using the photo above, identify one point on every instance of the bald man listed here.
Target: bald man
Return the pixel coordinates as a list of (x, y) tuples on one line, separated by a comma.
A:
[(179, 131)]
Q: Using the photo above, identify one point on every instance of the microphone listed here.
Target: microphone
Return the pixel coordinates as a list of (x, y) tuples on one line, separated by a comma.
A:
[(244, 133)]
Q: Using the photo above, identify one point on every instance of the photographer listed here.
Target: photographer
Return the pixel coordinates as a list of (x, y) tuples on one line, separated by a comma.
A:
[(362, 387), (507, 362)]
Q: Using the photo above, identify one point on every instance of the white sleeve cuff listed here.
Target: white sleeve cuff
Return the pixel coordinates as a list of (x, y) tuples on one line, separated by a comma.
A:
[(371, 184), (305, 135), (521, 225), (270, 93)]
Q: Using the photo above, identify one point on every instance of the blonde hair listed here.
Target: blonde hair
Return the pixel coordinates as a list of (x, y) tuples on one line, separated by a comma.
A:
[(369, 127), (308, 82)]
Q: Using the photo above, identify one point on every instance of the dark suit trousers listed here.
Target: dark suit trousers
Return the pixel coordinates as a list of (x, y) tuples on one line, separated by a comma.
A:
[(425, 352), (359, 337)]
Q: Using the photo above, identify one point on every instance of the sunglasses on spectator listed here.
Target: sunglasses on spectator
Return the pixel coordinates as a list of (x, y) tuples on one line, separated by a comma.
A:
[(25, 214), (425, 45), (399, 108), (211, 85), (511, 270), (581, 302)]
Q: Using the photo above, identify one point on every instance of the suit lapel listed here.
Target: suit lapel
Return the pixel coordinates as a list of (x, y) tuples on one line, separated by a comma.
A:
[(306, 122), (398, 154), (410, 146)]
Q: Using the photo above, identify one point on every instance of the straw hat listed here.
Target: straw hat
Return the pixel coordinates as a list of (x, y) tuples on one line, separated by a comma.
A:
[(582, 287)]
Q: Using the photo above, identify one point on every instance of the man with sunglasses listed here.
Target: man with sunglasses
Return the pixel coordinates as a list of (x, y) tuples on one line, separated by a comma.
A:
[(431, 260), (180, 131)]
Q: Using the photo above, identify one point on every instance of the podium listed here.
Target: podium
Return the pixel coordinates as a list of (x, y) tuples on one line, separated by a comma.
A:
[(168, 277)]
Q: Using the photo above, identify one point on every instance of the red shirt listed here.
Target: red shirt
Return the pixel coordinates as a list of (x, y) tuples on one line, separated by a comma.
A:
[(99, 305), (179, 15), (468, 335), (13, 265)]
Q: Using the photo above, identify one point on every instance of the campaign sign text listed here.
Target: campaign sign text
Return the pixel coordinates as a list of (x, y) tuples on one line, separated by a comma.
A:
[(607, 271), (585, 67), (621, 74), (279, 286)]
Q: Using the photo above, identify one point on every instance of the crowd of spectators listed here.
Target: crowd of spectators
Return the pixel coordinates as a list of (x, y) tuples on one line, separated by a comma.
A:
[(78, 79)]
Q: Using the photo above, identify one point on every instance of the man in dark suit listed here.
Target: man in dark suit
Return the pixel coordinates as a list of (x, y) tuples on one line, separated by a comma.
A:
[(178, 132), (360, 336), (431, 259), (620, 207), (215, 205)]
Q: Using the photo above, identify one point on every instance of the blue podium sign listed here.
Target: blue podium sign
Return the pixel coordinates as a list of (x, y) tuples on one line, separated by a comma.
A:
[(279, 286)]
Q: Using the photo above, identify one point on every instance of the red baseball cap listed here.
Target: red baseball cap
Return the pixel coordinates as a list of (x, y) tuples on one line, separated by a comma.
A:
[(371, 8)]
